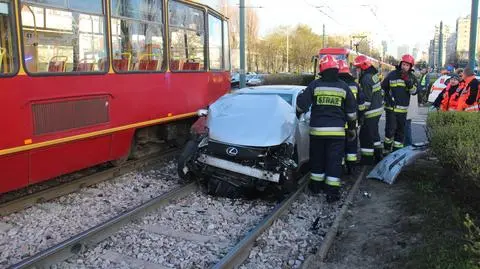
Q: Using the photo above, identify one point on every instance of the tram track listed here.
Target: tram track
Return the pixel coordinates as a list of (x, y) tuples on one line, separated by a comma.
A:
[(234, 246), (62, 189)]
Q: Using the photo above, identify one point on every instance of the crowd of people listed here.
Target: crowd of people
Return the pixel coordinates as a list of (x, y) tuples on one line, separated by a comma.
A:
[(461, 93), (340, 106)]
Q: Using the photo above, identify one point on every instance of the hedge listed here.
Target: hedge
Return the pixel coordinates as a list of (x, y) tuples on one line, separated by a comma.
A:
[(288, 79), (455, 140)]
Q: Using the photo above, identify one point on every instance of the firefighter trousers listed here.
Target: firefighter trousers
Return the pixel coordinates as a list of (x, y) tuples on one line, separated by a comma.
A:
[(395, 130), (326, 156), (370, 144), (351, 150)]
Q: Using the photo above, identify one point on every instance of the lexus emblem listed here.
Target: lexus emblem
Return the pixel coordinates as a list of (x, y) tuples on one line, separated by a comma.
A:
[(232, 151)]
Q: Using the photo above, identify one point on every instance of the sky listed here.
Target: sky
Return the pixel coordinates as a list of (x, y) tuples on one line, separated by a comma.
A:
[(399, 22), (410, 22)]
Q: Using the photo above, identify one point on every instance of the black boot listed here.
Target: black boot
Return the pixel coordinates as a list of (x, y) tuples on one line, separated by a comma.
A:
[(333, 194), (316, 186), (378, 155)]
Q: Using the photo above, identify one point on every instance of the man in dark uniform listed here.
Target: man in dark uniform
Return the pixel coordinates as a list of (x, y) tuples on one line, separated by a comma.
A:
[(351, 147), (398, 86), (332, 106), (370, 145)]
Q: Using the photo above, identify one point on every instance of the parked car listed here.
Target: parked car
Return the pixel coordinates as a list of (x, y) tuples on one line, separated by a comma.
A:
[(235, 80), (256, 80), (249, 139)]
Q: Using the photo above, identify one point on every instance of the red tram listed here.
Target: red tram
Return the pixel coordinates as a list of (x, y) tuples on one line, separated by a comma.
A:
[(349, 55), (87, 82)]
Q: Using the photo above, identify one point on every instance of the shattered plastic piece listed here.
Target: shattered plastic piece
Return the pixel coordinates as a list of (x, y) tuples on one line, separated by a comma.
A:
[(388, 169)]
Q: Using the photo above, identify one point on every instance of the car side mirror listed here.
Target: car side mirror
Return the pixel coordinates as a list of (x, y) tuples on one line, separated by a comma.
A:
[(202, 112), (305, 117)]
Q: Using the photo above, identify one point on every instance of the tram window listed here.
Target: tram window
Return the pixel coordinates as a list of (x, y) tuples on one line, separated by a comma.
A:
[(137, 36), (215, 42), (187, 37), (226, 46), (8, 59), (64, 36)]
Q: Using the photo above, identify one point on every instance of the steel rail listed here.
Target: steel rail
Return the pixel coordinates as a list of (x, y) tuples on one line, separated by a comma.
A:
[(75, 185), (94, 235), (240, 252)]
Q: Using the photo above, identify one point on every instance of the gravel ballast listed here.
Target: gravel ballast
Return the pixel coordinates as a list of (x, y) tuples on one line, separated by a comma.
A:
[(34, 229), (195, 232)]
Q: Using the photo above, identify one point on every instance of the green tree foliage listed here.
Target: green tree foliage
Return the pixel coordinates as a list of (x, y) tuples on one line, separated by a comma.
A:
[(303, 44)]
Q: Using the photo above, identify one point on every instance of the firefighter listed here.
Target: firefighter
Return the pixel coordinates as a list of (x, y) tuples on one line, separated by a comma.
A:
[(351, 147), (468, 100), (332, 106), (370, 144), (398, 86)]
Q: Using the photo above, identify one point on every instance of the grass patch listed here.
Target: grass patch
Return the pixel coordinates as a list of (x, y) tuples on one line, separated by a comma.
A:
[(445, 236)]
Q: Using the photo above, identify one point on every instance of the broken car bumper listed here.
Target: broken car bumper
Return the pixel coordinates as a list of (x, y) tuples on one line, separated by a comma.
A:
[(238, 168)]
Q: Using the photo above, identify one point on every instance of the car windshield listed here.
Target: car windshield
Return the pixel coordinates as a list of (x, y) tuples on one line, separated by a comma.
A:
[(285, 96)]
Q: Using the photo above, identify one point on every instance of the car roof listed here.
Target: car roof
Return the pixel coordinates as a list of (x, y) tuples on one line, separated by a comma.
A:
[(446, 77), (272, 89)]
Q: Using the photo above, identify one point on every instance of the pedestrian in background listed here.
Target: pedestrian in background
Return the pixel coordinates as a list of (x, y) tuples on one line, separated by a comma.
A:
[(423, 87)]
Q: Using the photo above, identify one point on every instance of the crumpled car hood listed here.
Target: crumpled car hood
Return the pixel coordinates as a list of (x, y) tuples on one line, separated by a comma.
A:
[(252, 120)]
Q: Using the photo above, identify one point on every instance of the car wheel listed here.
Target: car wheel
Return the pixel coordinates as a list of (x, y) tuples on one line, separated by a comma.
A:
[(185, 157), (221, 188)]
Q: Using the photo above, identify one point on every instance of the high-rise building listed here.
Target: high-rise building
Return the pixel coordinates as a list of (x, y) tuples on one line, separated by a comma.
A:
[(431, 53), (451, 49), (463, 37), (415, 52), (401, 50), (434, 61)]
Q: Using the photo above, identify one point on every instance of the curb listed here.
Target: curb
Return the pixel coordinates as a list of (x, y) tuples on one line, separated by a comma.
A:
[(316, 260)]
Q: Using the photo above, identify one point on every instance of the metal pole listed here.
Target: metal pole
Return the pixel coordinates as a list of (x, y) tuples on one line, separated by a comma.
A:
[(440, 46), (473, 35), (323, 46), (242, 43), (288, 69)]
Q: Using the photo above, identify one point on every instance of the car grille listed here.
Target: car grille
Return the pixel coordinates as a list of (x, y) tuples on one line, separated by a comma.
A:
[(236, 153)]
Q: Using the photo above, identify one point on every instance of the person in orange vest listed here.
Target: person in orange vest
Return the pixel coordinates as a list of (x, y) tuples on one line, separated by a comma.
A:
[(468, 100), (454, 98), (443, 100)]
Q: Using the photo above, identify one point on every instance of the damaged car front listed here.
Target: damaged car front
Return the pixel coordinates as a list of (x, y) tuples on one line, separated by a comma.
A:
[(247, 140)]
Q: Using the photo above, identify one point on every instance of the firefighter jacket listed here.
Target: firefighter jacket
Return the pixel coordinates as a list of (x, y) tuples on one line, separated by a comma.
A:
[(332, 106), (370, 87), (356, 90), (398, 87)]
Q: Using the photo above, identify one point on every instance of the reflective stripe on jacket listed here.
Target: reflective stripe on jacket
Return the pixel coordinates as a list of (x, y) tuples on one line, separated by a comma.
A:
[(398, 90), (332, 105)]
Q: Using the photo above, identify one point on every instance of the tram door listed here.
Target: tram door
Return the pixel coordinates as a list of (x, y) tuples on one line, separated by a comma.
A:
[(6, 39), (31, 17)]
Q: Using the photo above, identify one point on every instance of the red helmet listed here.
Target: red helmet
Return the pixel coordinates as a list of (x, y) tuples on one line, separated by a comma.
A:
[(362, 61), (408, 59), (343, 67), (327, 62)]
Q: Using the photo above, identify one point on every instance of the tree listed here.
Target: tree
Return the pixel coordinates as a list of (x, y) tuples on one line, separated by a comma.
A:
[(252, 25), (304, 44), (391, 60), (421, 64)]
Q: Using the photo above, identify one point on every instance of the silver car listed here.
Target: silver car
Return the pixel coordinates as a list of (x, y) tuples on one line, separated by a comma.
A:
[(251, 139)]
